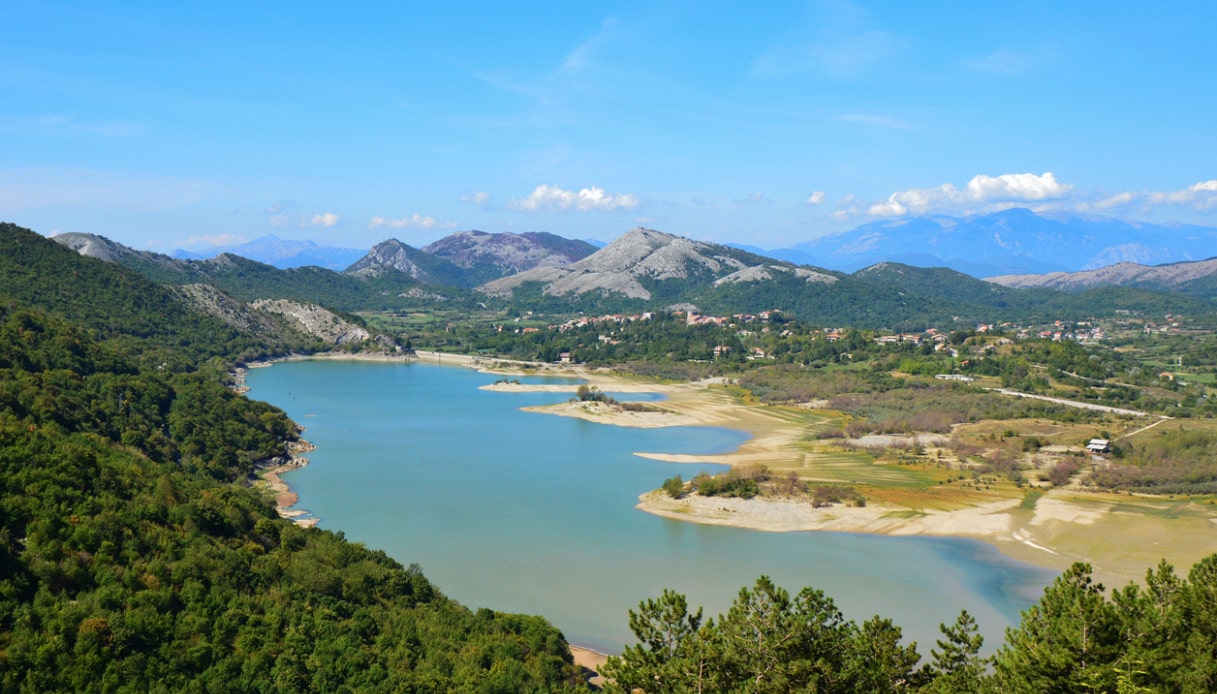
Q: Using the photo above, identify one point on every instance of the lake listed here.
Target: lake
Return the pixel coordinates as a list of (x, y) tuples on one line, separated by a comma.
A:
[(534, 513)]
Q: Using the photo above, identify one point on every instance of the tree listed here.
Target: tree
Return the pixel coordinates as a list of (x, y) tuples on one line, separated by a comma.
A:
[(666, 659), (1067, 642), (674, 487), (587, 393), (957, 665)]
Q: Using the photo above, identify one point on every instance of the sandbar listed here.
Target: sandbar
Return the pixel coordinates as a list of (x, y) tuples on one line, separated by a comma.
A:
[(1120, 535)]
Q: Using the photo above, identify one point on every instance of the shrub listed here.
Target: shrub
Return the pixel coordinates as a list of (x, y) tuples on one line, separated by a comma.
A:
[(675, 487), (1061, 472)]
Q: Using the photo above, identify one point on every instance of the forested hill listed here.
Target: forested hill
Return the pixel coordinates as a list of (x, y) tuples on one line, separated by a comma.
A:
[(123, 308), (135, 556)]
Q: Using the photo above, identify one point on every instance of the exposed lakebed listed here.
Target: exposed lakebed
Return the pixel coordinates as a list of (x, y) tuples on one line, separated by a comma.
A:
[(528, 512)]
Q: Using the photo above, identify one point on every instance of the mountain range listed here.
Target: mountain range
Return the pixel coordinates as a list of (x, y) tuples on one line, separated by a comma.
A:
[(645, 269), (1014, 241), (1188, 277), (1011, 242), (280, 253), (469, 258)]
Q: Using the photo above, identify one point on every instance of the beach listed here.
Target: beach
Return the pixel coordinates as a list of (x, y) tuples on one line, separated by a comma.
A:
[(1120, 535)]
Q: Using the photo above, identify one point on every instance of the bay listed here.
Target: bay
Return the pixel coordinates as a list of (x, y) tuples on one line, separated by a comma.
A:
[(534, 513)]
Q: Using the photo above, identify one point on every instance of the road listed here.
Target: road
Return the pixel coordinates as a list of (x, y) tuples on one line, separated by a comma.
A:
[(1074, 403)]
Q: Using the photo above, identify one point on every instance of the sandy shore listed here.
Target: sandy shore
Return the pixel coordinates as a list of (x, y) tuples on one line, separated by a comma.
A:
[(591, 662), (1121, 536), (285, 498)]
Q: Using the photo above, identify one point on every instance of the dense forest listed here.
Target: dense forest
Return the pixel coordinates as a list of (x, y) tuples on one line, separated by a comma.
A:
[(134, 554)]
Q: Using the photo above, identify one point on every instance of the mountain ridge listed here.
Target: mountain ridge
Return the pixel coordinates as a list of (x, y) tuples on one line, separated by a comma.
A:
[(1165, 276), (1013, 241), (646, 269), (280, 253)]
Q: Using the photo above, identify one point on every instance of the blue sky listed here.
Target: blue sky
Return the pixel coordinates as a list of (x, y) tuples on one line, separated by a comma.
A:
[(171, 125)]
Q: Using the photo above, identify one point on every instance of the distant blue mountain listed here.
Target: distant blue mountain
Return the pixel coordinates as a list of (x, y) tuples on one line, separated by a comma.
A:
[(282, 253), (1015, 241)]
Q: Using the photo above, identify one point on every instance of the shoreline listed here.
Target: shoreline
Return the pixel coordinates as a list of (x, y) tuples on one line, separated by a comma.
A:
[(1120, 535), (270, 477), (591, 661), (285, 498)]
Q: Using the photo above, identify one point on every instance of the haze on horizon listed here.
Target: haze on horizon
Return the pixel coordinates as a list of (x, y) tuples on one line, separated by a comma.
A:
[(162, 126)]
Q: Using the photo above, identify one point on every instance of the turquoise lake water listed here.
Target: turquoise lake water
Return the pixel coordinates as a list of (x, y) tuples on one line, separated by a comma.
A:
[(534, 513)]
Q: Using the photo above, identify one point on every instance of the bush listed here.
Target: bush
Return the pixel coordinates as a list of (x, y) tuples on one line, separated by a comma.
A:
[(675, 487), (1061, 472), (587, 393), (731, 483), (826, 494)]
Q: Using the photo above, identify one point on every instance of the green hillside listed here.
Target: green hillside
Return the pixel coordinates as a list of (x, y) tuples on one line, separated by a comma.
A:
[(134, 555)]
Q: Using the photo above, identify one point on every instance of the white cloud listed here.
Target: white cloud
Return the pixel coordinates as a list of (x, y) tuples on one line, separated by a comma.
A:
[(755, 197), (985, 192), (479, 198), (1016, 187), (586, 200), (584, 54), (1201, 195), (1117, 200), (414, 220), (327, 220), (815, 198)]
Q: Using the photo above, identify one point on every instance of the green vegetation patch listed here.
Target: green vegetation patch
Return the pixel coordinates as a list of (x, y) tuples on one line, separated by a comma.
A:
[(1076, 638), (1179, 459)]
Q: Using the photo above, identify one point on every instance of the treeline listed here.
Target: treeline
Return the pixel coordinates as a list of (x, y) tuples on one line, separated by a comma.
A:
[(1160, 637), (134, 555)]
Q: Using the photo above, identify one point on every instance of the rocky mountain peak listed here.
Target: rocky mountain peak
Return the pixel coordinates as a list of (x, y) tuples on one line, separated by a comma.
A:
[(639, 254), (92, 246), (389, 255), (508, 253)]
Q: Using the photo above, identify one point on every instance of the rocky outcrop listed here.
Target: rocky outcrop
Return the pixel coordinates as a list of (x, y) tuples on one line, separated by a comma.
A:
[(205, 298), (764, 273), (316, 321)]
